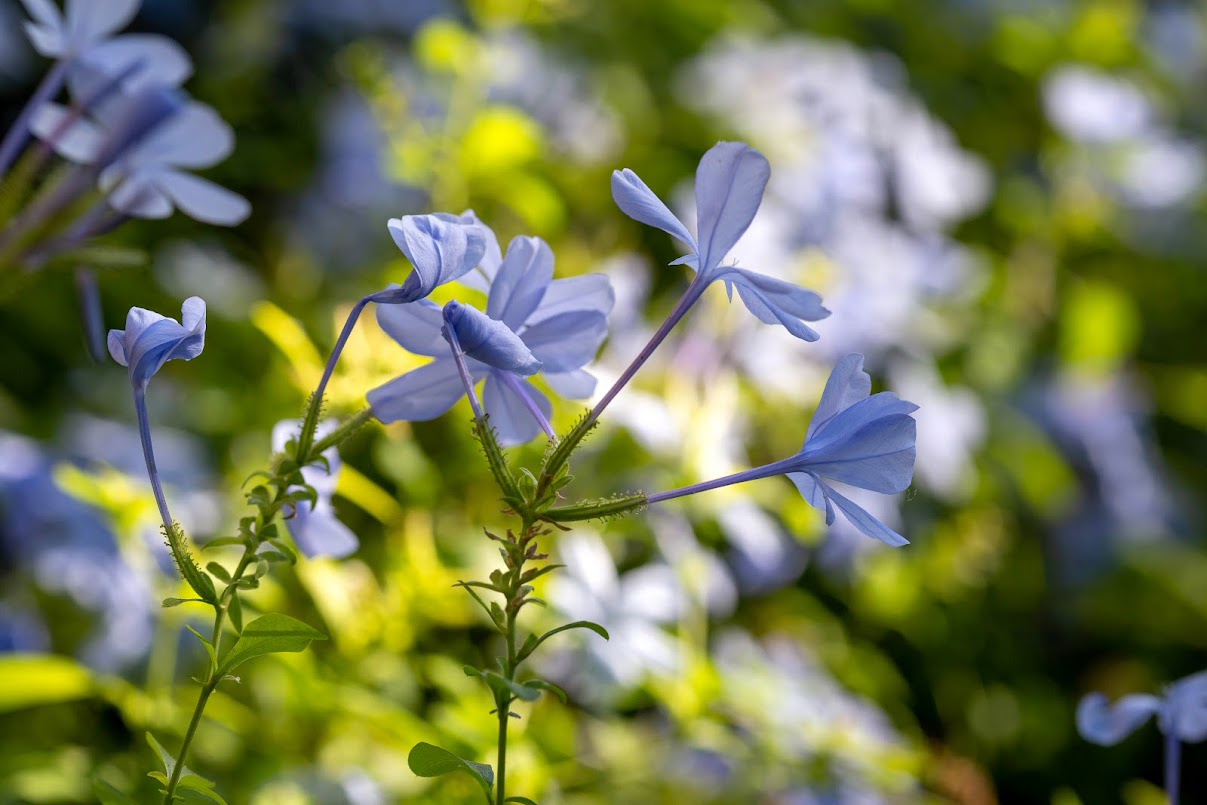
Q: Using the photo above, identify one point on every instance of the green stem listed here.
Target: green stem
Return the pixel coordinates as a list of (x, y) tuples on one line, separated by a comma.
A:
[(206, 690)]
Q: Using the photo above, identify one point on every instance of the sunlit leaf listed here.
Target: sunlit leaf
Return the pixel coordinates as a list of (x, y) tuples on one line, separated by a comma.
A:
[(269, 634)]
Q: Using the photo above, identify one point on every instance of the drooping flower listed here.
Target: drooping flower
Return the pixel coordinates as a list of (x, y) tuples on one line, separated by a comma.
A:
[(561, 323), (1182, 713), (151, 340), (730, 181), (149, 179), (440, 246), (856, 439), (315, 529)]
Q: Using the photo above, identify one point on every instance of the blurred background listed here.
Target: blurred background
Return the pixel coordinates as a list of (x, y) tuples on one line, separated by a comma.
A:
[(1002, 203)]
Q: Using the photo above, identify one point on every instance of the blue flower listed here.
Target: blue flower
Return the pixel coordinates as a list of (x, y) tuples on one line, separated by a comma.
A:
[(442, 247), (730, 181), (1182, 713), (151, 340), (149, 178), (856, 439), (561, 323), (315, 529)]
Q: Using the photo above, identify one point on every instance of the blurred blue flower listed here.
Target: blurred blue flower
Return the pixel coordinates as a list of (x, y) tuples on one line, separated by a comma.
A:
[(561, 322), (730, 181), (151, 340), (315, 529), (148, 178), (1182, 713), (856, 439)]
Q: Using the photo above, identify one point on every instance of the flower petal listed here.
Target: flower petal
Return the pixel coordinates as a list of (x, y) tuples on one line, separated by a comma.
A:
[(1106, 725), (80, 139), (585, 292), (480, 278), (813, 493), (415, 325), (203, 200), (847, 385), (317, 532), (1185, 708), (842, 425), (194, 137), (160, 61), (440, 250), (138, 197), (730, 181), (566, 341), (775, 301), (44, 12), (640, 203), (879, 456), (863, 521), (575, 385), (490, 341), (150, 340), (521, 281), (508, 413), (91, 20), (422, 394)]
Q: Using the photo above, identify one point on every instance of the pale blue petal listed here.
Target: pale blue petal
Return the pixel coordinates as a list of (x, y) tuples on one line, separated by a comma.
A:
[(483, 275), (575, 385), (566, 341), (589, 292), (421, 394), (202, 200), (843, 424), (813, 493), (91, 20), (416, 326), (318, 533), (47, 40), (508, 414), (80, 139), (150, 340), (137, 197), (1106, 725), (489, 341), (729, 188), (44, 12), (440, 250), (878, 457), (863, 521), (194, 137), (638, 202), (847, 385), (160, 61), (775, 301), (1185, 709), (521, 281)]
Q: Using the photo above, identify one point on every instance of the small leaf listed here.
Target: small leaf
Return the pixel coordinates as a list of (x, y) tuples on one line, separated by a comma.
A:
[(259, 496), (209, 647), (521, 800), (521, 691), (497, 615), (269, 634), (261, 569), (536, 573), (235, 610), (257, 474), (549, 686), (175, 602), (247, 584), (165, 757), (427, 760), (594, 627), (108, 795), (219, 572), (273, 556), (529, 645), (192, 788), (283, 548)]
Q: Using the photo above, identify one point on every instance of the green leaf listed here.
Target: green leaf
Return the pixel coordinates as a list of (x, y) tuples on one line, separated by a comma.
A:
[(520, 690), (469, 589), (529, 645), (269, 634), (209, 647), (192, 788), (175, 602), (427, 760), (536, 573), (521, 800), (235, 610), (594, 627), (257, 474), (218, 572), (221, 542), (549, 686), (274, 556), (259, 496), (106, 794), (165, 757), (281, 546)]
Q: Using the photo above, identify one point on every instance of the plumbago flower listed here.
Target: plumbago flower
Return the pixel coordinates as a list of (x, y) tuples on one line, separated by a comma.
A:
[(532, 322), (730, 181), (84, 37), (856, 439), (149, 179), (148, 342), (1181, 715), (314, 526)]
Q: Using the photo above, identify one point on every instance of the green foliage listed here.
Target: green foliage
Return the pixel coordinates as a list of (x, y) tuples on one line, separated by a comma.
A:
[(269, 634), (427, 760)]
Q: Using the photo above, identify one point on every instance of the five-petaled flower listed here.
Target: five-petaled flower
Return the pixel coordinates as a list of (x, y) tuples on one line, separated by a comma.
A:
[(531, 321), (314, 528), (1181, 713), (860, 440), (730, 181), (151, 340)]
